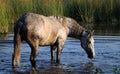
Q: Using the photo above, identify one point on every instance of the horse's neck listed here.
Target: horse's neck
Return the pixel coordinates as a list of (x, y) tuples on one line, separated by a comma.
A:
[(75, 30)]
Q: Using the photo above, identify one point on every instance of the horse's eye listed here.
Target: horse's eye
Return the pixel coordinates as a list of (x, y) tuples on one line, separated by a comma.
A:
[(89, 42)]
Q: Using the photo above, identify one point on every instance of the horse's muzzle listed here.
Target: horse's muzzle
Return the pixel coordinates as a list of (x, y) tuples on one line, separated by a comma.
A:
[(91, 57), (91, 54)]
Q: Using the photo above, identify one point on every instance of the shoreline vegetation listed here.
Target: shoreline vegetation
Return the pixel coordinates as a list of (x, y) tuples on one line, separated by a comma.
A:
[(101, 15)]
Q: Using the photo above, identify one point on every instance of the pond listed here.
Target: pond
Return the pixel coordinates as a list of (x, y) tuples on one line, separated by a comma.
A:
[(73, 58)]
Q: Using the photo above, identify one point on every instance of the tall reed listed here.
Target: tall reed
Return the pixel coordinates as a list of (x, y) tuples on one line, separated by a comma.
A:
[(94, 13)]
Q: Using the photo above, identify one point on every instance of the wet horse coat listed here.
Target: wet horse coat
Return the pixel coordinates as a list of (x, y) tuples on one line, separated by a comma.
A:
[(38, 30)]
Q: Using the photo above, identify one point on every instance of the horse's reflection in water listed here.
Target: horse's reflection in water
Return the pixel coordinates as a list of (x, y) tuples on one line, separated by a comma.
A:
[(87, 68), (83, 68), (51, 69)]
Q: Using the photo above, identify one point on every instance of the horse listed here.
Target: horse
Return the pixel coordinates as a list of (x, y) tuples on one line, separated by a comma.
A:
[(39, 30)]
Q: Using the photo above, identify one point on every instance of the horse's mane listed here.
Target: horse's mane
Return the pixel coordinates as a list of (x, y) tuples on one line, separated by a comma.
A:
[(74, 27)]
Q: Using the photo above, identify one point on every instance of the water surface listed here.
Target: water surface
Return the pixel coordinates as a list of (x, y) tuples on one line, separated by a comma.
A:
[(73, 58)]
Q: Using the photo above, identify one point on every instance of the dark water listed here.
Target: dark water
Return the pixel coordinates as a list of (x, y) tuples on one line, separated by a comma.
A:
[(73, 58)]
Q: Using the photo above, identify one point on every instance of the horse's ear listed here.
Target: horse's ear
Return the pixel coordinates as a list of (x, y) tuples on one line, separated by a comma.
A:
[(83, 33), (92, 32)]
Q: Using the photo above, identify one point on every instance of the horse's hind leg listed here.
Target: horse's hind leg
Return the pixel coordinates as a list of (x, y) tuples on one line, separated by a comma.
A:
[(16, 52), (34, 52)]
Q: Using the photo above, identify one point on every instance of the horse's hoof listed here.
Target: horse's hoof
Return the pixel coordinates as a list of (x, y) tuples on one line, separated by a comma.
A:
[(58, 61)]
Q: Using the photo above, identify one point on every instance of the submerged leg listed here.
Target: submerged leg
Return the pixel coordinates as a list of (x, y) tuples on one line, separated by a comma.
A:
[(53, 47), (59, 50), (34, 52), (16, 52)]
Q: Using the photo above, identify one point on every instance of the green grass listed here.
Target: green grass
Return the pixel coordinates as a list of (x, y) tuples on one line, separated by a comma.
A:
[(91, 12)]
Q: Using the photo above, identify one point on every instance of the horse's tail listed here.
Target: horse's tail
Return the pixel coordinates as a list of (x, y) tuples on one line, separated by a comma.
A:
[(17, 44)]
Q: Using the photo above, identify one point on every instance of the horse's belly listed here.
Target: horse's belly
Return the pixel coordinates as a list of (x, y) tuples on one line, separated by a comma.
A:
[(47, 42), (48, 39)]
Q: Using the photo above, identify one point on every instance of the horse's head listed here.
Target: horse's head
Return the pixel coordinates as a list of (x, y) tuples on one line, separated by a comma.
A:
[(87, 43)]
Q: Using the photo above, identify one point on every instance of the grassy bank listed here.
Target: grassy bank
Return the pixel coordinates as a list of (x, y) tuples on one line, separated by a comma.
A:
[(97, 14)]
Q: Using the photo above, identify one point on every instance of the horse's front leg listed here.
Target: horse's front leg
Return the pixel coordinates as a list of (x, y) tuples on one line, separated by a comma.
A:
[(59, 50), (53, 47)]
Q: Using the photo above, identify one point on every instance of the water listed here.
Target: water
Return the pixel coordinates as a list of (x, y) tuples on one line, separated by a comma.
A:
[(73, 58)]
